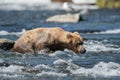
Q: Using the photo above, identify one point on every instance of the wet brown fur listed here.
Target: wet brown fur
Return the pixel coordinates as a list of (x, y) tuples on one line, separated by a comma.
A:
[(32, 41)]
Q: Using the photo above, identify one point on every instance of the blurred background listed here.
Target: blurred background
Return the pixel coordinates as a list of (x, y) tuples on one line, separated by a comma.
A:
[(99, 26), (56, 4)]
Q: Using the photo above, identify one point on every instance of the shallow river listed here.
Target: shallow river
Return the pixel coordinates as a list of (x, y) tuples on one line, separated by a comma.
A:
[(100, 30)]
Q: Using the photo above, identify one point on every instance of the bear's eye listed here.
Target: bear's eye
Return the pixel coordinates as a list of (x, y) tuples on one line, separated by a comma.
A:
[(78, 44)]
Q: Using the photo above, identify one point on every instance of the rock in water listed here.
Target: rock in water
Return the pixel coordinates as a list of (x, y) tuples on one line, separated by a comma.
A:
[(72, 18), (6, 44)]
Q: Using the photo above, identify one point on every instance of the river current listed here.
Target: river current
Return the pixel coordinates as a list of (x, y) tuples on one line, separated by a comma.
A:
[(100, 30)]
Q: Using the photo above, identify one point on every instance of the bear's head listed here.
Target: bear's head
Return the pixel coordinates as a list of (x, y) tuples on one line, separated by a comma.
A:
[(76, 42)]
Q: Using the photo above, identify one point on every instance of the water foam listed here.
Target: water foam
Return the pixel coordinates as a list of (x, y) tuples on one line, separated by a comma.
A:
[(114, 31), (11, 75), (52, 74), (2, 32), (99, 70), (65, 65), (57, 53), (99, 46), (12, 69), (43, 67)]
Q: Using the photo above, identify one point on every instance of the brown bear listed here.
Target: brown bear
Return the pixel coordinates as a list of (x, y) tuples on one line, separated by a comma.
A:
[(32, 41)]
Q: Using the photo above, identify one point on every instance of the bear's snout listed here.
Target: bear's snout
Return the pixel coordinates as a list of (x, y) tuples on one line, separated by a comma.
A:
[(81, 49)]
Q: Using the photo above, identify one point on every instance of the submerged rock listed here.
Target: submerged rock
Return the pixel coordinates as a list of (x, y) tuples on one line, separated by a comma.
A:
[(72, 18), (6, 44)]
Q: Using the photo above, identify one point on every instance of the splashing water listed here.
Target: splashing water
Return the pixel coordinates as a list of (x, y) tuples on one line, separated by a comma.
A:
[(2, 32), (114, 31), (100, 46)]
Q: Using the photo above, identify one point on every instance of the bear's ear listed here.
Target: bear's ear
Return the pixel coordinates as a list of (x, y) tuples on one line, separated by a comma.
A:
[(69, 35), (76, 33)]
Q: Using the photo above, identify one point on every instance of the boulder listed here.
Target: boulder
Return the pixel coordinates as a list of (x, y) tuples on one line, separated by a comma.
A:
[(6, 44), (65, 18)]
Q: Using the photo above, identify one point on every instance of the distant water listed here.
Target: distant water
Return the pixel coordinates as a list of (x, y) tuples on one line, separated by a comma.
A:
[(40, 4), (100, 30), (28, 5)]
